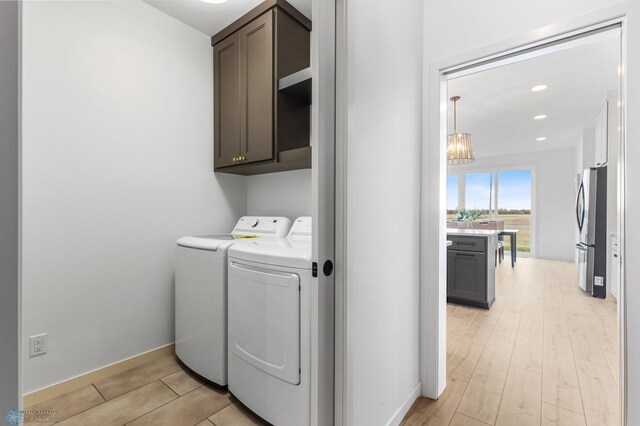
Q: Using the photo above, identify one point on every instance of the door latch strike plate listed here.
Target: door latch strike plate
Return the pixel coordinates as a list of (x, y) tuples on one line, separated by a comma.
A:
[(314, 269)]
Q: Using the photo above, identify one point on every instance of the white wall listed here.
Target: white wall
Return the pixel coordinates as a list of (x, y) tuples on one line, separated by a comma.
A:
[(117, 165), (553, 193), (384, 119), (9, 206), (280, 194), (483, 23)]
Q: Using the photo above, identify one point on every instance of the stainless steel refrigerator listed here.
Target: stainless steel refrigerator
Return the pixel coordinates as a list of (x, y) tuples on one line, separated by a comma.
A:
[(591, 215)]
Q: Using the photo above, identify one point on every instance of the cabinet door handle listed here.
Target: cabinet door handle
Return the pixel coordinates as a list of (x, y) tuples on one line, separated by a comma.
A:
[(466, 255)]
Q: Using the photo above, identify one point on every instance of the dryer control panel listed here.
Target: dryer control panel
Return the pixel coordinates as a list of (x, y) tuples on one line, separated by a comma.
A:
[(262, 226), (301, 229)]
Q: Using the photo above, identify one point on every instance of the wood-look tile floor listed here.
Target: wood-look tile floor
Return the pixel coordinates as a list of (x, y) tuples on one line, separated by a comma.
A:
[(545, 354), (158, 393)]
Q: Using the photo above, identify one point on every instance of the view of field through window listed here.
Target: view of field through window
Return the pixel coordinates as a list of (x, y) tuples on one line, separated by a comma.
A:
[(494, 195)]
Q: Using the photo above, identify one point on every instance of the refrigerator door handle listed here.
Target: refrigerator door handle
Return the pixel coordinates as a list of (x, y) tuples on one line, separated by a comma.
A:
[(584, 247), (579, 212)]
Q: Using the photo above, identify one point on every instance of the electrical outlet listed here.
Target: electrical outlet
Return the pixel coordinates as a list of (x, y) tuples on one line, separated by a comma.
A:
[(38, 345)]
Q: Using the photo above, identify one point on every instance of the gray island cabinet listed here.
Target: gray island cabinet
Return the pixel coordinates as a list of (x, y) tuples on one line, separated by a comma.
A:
[(471, 273)]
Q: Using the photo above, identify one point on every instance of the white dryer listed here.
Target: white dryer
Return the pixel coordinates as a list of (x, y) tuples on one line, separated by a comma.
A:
[(201, 293), (269, 326)]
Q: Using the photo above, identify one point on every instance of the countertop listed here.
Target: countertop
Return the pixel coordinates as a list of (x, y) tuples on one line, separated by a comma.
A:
[(473, 232)]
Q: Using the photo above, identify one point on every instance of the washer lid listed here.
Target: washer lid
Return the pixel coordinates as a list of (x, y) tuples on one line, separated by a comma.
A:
[(248, 227), (207, 242), (278, 252)]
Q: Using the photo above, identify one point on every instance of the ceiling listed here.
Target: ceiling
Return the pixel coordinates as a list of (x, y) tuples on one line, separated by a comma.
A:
[(211, 18), (497, 106)]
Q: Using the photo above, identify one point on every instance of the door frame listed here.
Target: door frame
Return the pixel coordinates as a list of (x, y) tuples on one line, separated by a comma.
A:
[(323, 170), (11, 208), (342, 387), (434, 166)]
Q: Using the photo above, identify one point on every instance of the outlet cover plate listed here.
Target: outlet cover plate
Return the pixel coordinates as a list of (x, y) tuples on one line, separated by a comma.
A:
[(38, 345)]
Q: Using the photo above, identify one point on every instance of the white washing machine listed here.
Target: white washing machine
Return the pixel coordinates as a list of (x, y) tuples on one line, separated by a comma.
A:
[(269, 326), (201, 293)]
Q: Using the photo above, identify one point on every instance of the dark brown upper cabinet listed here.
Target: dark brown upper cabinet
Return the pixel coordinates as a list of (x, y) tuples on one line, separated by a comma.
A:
[(257, 127), (227, 92)]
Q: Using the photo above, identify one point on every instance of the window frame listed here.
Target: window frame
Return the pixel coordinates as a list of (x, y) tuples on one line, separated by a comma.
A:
[(462, 178)]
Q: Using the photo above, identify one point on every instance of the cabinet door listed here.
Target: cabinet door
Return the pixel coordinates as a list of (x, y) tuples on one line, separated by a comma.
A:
[(466, 275), (227, 109), (256, 75)]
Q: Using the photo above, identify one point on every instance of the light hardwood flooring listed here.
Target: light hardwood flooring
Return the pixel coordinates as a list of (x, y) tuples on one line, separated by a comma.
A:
[(157, 393), (545, 354)]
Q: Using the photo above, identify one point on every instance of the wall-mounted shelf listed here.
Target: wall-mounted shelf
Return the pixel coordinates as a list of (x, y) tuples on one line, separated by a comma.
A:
[(297, 85)]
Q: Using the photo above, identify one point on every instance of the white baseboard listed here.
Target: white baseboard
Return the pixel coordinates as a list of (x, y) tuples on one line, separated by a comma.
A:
[(68, 385), (398, 416)]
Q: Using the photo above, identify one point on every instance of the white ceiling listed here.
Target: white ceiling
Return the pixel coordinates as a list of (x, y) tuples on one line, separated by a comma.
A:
[(497, 106), (211, 18)]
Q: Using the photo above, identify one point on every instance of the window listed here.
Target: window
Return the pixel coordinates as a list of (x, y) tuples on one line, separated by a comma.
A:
[(514, 205), (478, 191), (452, 193), (495, 195)]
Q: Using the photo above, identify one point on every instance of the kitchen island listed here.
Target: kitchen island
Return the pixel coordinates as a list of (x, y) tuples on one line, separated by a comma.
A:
[(471, 273)]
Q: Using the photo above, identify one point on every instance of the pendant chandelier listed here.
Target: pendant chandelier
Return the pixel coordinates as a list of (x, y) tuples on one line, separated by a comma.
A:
[(459, 145)]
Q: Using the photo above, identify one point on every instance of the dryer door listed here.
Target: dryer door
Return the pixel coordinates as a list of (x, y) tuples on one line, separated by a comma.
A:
[(264, 319)]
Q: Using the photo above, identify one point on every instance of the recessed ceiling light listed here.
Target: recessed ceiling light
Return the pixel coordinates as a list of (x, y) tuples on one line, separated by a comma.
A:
[(539, 88), (214, 1), (540, 117), (542, 139)]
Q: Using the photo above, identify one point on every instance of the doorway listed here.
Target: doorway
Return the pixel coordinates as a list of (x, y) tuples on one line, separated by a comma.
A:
[(493, 381)]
